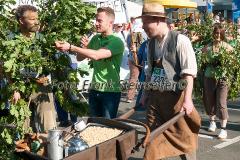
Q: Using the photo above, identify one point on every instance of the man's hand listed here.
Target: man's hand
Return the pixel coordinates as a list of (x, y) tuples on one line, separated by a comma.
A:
[(187, 106), (62, 46), (16, 97), (194, 38), (84, 41), (133, 48)]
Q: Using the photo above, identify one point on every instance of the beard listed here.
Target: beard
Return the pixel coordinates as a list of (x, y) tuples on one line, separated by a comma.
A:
[(34, 28)]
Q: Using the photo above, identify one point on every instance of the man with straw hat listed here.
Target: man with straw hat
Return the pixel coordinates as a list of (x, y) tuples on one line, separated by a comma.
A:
[(168, 89)]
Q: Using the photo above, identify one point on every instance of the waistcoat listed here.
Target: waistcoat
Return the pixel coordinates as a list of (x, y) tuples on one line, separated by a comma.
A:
[(170, 59)]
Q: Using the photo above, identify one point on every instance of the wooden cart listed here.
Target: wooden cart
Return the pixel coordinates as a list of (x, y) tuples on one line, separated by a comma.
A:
[(118, 148)]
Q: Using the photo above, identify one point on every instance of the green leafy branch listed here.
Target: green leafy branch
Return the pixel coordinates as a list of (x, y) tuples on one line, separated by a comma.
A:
[(60, 20)]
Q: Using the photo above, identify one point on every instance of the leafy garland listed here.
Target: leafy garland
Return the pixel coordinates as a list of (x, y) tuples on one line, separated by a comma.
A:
[(60, 20)]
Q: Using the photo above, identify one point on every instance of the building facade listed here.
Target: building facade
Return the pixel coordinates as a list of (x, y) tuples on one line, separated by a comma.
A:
[(222, 7)]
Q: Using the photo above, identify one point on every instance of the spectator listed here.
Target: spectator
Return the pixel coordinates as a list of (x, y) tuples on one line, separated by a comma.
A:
[(216, 91), (216, 19), (124, 70), (135, 38), (171, 25), (190, 19), (142, 59), (125, 31), (118, 32)]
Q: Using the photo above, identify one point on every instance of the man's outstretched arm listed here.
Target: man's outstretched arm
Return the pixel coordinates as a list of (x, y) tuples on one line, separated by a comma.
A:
[(101, 53)]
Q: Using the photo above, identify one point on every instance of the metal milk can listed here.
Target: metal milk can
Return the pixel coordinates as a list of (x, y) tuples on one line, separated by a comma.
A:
[(55, 144)]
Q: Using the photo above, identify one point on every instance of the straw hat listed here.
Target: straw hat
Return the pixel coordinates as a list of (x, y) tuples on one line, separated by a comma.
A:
[(153, 9)]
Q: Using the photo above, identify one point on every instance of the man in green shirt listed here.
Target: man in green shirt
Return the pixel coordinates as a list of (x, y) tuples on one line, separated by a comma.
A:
[(106, 51)]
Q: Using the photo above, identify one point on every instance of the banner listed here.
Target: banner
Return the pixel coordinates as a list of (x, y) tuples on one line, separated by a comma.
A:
[(209, 7), (236, 10), (123, 9)]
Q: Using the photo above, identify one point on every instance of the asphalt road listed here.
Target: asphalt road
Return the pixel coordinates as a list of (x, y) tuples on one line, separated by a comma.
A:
[(210, 148)]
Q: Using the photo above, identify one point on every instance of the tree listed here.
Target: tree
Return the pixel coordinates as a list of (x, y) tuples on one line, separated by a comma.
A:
[(60, 20)]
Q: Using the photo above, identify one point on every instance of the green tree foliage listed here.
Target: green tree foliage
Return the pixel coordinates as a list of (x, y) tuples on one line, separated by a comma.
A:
[(60, 20)]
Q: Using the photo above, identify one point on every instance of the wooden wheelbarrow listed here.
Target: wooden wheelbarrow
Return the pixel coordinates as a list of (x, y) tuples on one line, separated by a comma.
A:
[(118, 148), (121, 147)]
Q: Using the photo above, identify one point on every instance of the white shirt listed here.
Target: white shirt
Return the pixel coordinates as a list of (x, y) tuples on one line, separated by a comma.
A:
[(186, 56), (185, 53)]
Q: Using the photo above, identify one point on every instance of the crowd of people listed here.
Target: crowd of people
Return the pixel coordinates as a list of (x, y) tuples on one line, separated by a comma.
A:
[(159, 51)]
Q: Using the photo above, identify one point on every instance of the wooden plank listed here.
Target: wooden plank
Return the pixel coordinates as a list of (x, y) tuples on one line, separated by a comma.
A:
[(88, 154), (107, 150), (165, 126), (127, 114), (125, 145)]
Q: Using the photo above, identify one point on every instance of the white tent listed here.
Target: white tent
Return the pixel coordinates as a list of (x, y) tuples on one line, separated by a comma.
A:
[(133, 9), (122, 16)]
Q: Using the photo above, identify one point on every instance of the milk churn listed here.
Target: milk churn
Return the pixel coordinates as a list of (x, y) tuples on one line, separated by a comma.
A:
[(55, 144)]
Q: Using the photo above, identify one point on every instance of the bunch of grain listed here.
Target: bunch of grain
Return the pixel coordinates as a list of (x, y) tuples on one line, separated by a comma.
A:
[(95, 134)]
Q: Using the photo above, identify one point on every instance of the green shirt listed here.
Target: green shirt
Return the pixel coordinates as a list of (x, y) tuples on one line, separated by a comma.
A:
[(106, 71), (233, 42)]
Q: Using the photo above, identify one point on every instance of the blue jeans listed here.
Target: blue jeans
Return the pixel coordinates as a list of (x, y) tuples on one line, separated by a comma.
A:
[(104, 104)]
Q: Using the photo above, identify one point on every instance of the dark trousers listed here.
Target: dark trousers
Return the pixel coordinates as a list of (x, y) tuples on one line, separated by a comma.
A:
[(215, 97), (63, 115), (104, 104)]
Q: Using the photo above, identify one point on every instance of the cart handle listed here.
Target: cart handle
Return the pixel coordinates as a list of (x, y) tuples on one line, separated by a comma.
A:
[(145, 140), (166, 125), (127, 114)]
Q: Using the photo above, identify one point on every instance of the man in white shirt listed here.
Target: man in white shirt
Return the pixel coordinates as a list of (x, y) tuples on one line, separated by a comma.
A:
[(168, 90)]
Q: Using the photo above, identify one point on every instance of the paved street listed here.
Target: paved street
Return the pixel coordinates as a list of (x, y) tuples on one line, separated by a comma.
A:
[(210, 148)]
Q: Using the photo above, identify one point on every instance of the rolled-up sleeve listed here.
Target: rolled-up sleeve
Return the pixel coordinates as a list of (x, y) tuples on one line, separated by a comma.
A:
[(186, 56)]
